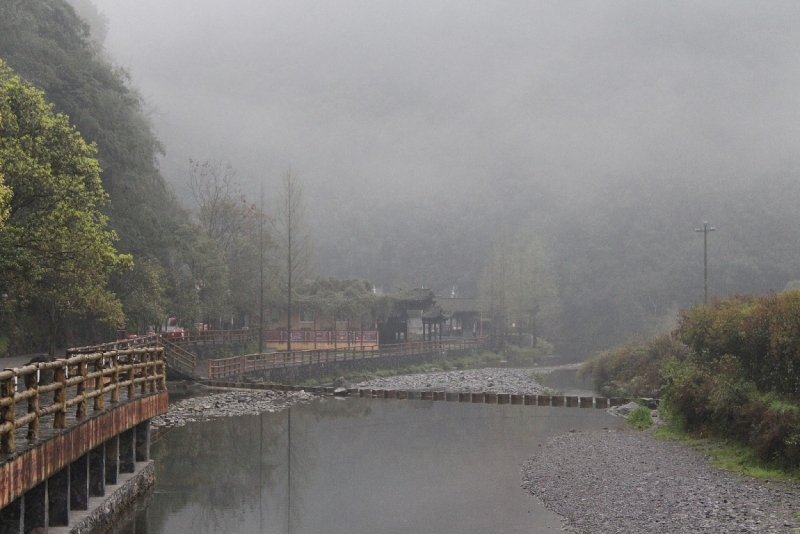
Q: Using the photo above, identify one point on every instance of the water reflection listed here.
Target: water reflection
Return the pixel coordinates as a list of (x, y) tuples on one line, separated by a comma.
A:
[(358, 465)]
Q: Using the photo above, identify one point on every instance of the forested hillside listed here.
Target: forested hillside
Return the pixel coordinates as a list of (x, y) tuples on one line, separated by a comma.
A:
[(607, 224), (625, 256), (180, 267)]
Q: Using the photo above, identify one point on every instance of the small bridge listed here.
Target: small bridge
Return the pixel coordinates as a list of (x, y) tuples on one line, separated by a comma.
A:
[(73, 431)]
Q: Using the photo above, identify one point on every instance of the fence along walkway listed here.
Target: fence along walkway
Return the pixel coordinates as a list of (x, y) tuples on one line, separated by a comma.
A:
[(240, 365), (175, 356), (76, 380)]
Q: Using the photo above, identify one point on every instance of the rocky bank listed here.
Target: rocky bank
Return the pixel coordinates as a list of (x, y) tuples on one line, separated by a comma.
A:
[(630, 482)]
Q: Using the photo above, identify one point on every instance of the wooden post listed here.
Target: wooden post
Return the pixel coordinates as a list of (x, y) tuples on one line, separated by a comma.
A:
[(130, 376), (115, 377), (152, 371), (7, 390), (99, 400), (60, 396), (32, 382), (81, 410), (145, 358)]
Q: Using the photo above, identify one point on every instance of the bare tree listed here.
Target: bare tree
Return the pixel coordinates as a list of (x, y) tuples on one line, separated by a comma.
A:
[(222, 209), (293, 241)]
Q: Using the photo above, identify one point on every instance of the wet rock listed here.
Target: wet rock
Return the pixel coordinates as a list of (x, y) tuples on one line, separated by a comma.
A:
[(341, 382)]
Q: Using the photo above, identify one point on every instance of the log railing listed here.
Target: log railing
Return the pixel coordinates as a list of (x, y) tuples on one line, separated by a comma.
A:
[(239, 365), (76, 380)]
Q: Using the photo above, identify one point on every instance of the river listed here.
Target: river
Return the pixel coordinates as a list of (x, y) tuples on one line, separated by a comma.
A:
[(356, 466)]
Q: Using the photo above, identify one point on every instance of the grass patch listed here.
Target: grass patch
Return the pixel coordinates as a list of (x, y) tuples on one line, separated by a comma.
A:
[(640, 418), (727, 455), (538, 377)]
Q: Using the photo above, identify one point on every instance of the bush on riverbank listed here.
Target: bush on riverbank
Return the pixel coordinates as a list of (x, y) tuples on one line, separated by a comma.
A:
[(633, 369), (717, 399), (731, 370)]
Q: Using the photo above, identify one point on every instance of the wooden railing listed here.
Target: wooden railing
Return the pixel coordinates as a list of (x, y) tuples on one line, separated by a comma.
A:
[(213, 337), (177, 357), (76, 380), (239, 365)]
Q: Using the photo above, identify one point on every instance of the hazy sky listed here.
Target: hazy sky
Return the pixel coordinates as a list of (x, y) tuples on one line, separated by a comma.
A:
[(393, 100)]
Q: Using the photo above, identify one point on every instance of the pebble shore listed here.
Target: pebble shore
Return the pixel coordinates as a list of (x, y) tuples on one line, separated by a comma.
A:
[(515, 381), (228, 404), (630, 482)]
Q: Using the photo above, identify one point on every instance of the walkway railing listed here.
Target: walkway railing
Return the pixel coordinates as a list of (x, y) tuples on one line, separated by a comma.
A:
[(76, 380), (239, 365)]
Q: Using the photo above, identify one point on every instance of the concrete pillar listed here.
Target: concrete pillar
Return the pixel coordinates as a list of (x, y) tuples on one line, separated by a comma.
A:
[(601, 402), (143, 441), (112, 460), (58, 499), (587, 402), (12, 517), (543, 400), (503, 398), (572, 401), (97, 471), (79, 483), (557, 400), (36, 508), (530, 400), (127, 451)]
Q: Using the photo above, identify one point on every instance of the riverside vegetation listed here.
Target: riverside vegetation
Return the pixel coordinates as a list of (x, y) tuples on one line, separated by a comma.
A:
[(728, 374)]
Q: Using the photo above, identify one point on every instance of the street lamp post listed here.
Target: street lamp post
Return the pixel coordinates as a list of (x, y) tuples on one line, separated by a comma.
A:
[(705, 230)]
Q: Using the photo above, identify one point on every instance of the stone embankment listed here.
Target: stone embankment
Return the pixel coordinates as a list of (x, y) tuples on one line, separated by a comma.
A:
[(514, 381), (626, 481)]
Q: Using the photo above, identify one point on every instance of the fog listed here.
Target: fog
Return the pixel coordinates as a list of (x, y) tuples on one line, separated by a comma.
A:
[(470, 116), (428, 98)]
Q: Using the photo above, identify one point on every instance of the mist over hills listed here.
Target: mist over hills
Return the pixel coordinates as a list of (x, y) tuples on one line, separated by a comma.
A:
[(424, 130)]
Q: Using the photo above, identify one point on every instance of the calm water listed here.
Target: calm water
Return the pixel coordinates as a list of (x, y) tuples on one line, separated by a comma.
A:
[(357, 465)]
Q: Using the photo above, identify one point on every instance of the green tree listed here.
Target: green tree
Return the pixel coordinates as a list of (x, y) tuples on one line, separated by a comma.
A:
[(517, 289), (5, 201), (58, 251)]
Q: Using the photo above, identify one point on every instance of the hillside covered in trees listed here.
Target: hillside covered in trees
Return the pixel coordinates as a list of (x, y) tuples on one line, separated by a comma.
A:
[(181, 261), (587, 249)]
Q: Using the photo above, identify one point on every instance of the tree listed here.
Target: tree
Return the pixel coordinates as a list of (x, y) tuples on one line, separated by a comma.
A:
[(293, 242), (221, 208), (237, 229), (57, 251), (5, 201), (517, 288)]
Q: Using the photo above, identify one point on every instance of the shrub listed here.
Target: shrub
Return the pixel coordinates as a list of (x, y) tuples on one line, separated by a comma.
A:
[(640, 418), (633, 369), (762, 333)]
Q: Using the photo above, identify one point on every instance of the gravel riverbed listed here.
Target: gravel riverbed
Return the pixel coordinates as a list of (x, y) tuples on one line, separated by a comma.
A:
[(630, 482), (228, 404), (495, 380)]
